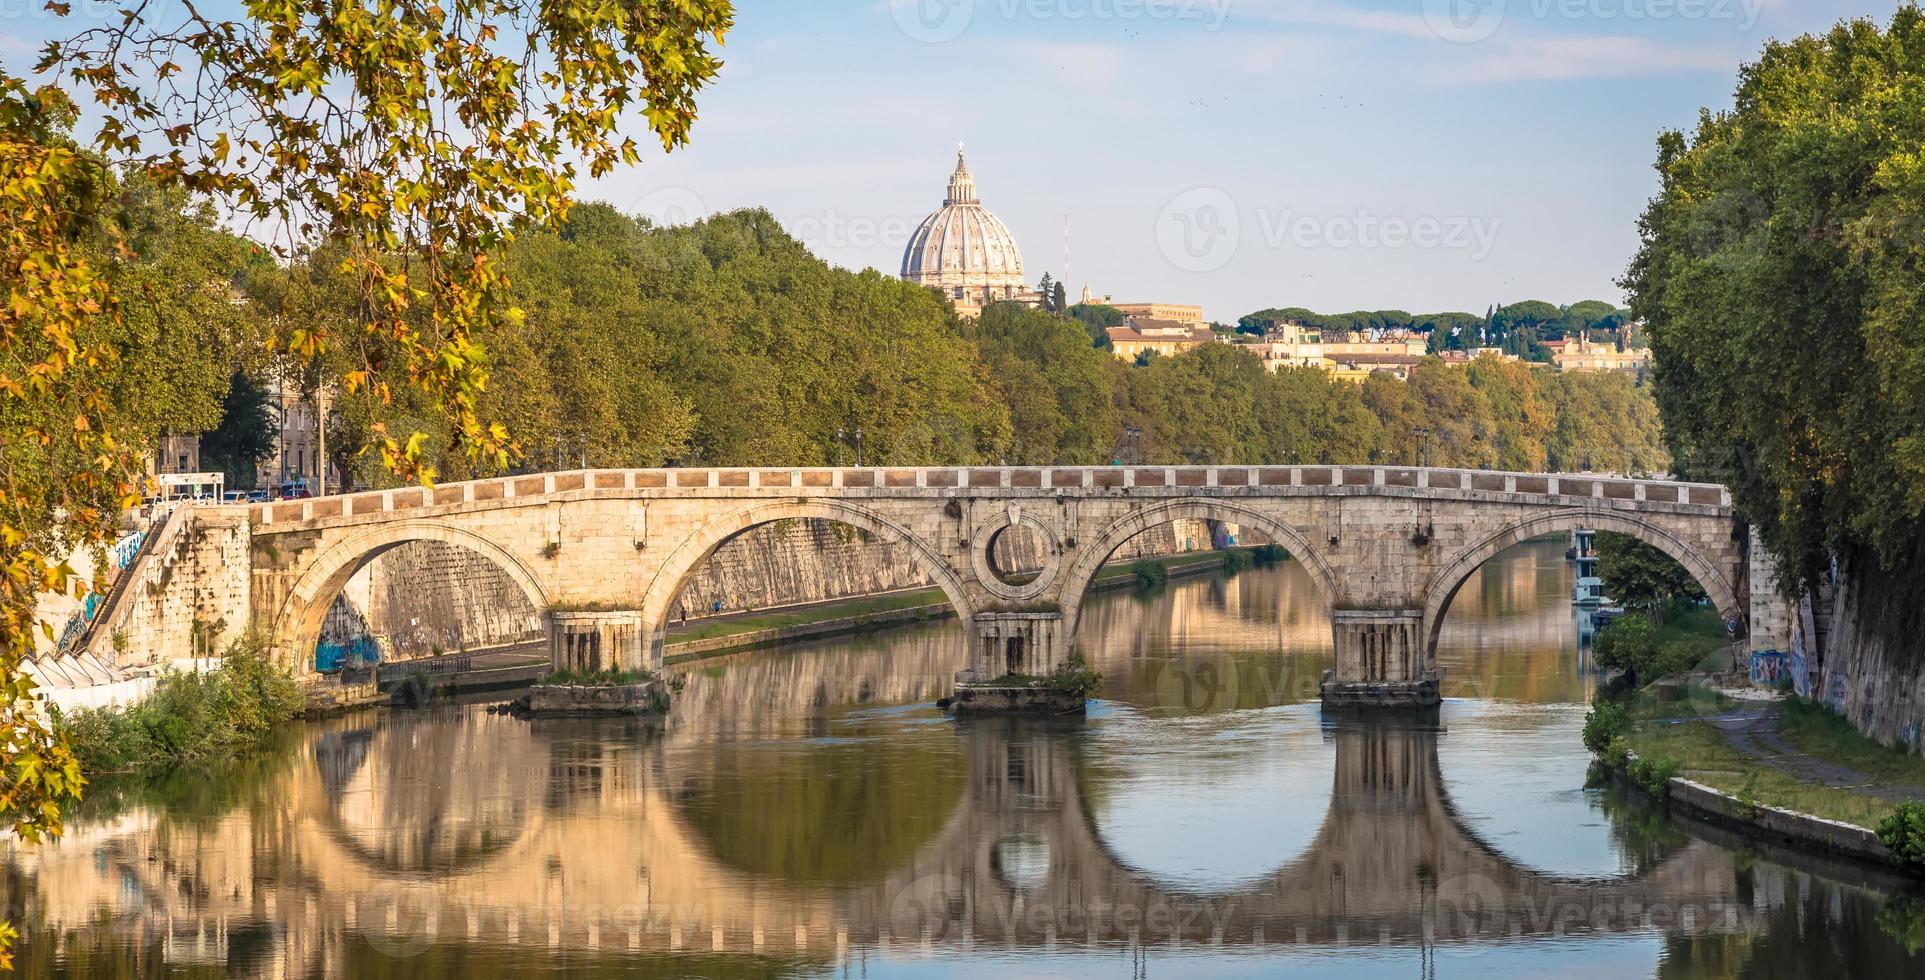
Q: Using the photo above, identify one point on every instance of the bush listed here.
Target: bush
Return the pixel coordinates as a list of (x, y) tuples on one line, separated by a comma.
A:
[(1617, 754), (1076, 677), (1631, 645), (1235, 561), (1903, 833), (1271, 554), (189, 716), (1150, 574), (1626, 643), (1654, 775), (1607, 721)]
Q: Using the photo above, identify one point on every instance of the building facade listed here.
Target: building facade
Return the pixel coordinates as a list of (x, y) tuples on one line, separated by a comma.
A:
[(1164, 338), (1580, 355)]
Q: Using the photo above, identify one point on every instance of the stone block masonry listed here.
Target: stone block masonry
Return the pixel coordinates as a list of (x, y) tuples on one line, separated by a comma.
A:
[(188, 597), (428, 597)]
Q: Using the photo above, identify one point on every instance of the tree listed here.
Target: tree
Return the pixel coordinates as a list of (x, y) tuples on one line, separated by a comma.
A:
[(245, 435), (417, 139), (1780, 290), (1047, 290), (1055, 384), (1060, 300), (1096, 319), (1643, 577)]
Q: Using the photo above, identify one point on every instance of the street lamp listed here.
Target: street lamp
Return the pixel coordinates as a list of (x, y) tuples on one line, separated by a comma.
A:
[(858, 447), (1423, 445), (842, 436)]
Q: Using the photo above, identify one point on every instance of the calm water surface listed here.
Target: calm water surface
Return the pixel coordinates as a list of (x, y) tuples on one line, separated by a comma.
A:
[(806, 813)]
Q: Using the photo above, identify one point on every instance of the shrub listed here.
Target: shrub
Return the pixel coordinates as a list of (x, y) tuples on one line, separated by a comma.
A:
[(1903, 833), (1235, 561), (1271, 554), (1626, 643), (1150, 574), (1631, 644), (189, 716), (1607, 721), (1654, 775), (1617, 754), (1076, 677)]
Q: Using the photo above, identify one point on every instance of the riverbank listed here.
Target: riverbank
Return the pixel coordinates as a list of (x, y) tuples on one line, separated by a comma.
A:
[(704, 638), (1770, 765)]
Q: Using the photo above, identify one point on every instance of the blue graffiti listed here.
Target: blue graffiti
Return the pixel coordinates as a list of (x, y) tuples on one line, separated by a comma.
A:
[(332, 657)]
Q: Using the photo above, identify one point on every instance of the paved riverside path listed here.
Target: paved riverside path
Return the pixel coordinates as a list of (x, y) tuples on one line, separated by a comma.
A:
[(1755, 732)]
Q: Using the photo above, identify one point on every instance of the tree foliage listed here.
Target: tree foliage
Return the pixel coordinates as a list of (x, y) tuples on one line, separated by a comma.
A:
[(1641, 577), (413, 139), (245, 435), (1779, 281)]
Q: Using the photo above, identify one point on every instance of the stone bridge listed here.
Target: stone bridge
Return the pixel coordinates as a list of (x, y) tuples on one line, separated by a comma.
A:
[(606, 553)]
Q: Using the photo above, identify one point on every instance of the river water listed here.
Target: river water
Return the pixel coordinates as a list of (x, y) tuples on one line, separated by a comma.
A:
[(805, 812)]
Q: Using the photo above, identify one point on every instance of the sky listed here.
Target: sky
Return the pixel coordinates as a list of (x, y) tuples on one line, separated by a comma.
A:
[(1427, 155), (1237, 154)]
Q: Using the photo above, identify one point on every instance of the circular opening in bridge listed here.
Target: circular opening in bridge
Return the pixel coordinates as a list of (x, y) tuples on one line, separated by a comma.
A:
[(1017, 554)]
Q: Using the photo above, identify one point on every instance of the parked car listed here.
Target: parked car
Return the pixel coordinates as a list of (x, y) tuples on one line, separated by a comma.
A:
[(295, 491), (259, 496)]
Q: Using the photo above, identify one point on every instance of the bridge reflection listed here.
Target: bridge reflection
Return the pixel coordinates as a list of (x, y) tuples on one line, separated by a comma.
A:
[(402, 833)]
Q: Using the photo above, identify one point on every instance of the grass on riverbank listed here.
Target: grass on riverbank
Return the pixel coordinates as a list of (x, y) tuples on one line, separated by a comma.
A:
[(1676, 731), (189, 717)]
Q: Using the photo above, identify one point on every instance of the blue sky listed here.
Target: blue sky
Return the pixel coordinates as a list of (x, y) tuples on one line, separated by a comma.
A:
[(1336, 154), (843, 118)]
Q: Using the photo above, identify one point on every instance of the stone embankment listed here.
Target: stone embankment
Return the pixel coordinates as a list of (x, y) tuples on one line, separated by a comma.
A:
[(427, 598)]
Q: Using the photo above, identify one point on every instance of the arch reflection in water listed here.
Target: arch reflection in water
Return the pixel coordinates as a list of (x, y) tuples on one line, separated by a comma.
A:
[(600, 846)]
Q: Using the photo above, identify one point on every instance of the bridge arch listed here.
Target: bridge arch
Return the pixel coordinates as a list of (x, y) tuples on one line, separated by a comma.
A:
[(298, 625), (1092, 556), (659, 598), (1444, 585)]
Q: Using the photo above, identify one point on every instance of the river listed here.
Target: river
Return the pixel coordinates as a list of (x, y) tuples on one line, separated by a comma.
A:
[(806, 812)]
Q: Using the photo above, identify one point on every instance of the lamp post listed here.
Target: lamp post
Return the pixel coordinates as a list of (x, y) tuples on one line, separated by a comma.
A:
[(858, 447), (841, 437), (1423, 445)]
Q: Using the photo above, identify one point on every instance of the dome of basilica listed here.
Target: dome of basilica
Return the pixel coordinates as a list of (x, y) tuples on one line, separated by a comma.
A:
[(965, 251)]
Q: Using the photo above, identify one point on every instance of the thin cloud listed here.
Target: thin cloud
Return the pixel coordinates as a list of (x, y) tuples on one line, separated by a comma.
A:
[(1561, 58)]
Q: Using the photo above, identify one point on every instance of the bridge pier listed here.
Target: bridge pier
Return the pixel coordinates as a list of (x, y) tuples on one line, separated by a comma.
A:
[(1382, 661), (588, 642), (1014, 643)]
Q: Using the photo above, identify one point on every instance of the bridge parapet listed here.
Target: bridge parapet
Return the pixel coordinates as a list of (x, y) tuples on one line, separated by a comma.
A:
[(379, 505)]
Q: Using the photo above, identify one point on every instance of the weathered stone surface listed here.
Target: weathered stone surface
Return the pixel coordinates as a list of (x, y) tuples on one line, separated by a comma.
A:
[(1003, 699), (627, 699), (1388, 548)]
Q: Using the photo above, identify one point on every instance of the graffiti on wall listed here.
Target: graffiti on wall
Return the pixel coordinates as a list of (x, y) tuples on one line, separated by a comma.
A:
[(1769, 668)]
